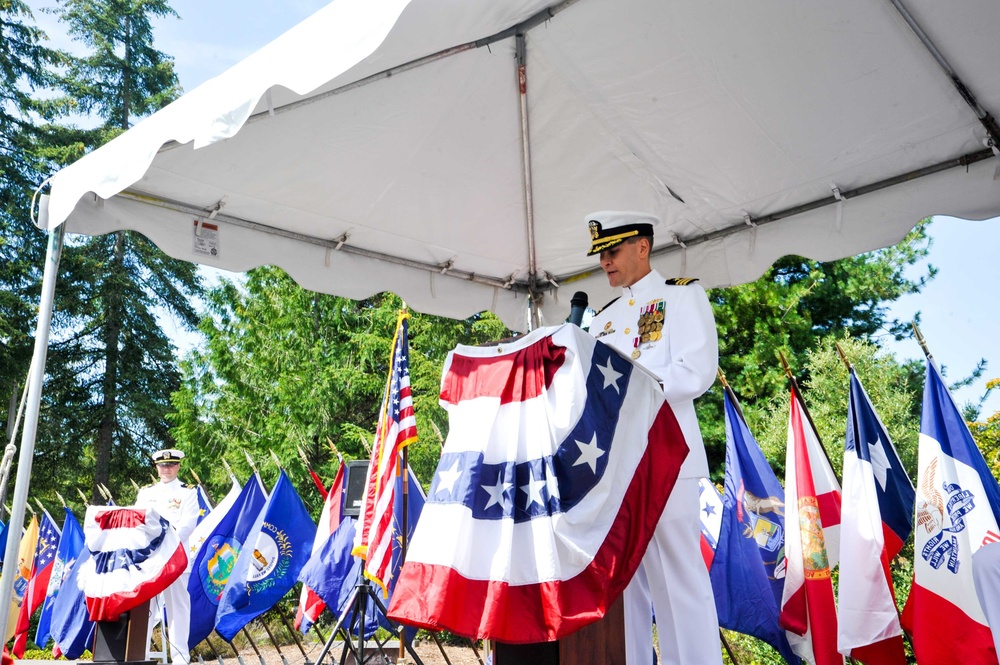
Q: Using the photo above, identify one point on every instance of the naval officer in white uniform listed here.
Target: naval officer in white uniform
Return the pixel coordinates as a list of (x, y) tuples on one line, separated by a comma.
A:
[(667, 326), (178, 504)]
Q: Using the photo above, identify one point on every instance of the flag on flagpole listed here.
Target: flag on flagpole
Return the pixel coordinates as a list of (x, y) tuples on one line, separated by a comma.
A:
[(72, 629), (878, 505), (318, 482), (748, 572), (957, 512), (710, 501), (38, 584), (397, 428), (277, 547), (25, 558), (310, 603), (70, 545), (217, 557), (207, 524), (204, 505), (808, 610), (560, 457)]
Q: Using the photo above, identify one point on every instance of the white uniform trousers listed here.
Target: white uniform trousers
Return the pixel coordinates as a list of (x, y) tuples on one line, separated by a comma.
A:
[(178, 604), (674, 577)]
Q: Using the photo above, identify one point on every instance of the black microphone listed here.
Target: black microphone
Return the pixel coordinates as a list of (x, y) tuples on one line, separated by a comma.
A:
[(577, 306)]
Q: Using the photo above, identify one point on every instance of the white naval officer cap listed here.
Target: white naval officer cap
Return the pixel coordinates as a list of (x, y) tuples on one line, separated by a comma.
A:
[(610, 228), (168, 456)]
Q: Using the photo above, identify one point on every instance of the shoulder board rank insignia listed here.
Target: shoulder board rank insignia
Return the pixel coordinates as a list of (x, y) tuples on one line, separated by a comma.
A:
[(680, 281), (146, 487), (187, 487), (606, 306)]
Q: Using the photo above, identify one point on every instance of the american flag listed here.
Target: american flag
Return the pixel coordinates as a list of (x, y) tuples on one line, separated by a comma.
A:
[(397, 428)]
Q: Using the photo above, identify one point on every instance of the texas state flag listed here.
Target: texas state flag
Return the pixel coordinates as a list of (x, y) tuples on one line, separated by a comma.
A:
[(560, 456), (877, 520), (957, 512)]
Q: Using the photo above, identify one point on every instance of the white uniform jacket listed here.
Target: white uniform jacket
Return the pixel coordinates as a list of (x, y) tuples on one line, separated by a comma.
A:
[(176, 502), (670, 330)]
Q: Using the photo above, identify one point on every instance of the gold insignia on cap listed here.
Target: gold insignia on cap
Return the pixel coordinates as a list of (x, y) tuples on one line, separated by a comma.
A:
[(595, 230)]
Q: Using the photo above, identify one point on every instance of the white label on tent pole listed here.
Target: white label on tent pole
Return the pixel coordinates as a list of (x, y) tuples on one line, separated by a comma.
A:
[(206, 238)]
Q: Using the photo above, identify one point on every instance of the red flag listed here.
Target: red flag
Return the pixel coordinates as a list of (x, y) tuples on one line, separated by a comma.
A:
[(310, 604), (808, 609), (397, 428), (319, 483), (38, 582)]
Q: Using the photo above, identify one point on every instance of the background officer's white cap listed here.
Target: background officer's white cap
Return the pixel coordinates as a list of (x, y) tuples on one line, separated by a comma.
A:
[(167, 455)]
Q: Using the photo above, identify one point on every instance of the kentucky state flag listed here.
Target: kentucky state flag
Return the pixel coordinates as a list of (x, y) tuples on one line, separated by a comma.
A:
[(957, 512), (277, 546), (70, 546), (560, 456), (217, 556), (876, 521), (748, 573)]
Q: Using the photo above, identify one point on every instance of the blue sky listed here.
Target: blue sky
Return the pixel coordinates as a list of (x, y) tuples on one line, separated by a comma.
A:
[(961, 317)]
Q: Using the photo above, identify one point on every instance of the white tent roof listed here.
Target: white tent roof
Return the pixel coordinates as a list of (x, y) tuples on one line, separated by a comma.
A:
[(378, 145)]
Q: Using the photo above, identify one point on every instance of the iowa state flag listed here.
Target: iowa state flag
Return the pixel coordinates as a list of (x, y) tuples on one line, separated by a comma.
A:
[(136, 554), (808, 610), (560, 456), (957, 511), (877, 520), (277, 546), (748, 573)]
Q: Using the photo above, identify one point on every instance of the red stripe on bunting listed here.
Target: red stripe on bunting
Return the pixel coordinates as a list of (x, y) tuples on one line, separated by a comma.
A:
[(513, 377), (120, 518), (551, 610)]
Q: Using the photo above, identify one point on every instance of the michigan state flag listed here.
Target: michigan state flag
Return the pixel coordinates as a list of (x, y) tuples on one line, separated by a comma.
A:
[(277, 546), (217, 557)]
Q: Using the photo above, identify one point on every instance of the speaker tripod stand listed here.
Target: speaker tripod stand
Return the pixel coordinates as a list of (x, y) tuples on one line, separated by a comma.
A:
[(357, 602)]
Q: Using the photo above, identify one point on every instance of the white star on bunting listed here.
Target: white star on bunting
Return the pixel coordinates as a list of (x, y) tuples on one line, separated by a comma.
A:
[(447, 479), (611, 376), (589, 454), (496, 493), (534, 490)]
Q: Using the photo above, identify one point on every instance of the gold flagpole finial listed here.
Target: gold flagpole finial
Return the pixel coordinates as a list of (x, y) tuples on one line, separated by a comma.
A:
[(83, 497), (106, 492), (61, 499), (921, 341), (277, 462), (40, 506), (843, 356), (302, 456), (253, 467), (229, 470), (334, 448), (722, 378), (194, 474), (785, 365)]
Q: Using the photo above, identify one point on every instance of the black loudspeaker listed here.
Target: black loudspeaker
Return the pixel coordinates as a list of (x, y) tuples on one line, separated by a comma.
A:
[(354, 495)]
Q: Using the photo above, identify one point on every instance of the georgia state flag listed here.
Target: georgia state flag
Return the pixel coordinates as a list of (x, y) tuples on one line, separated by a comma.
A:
[(560, 456), (136, 554)]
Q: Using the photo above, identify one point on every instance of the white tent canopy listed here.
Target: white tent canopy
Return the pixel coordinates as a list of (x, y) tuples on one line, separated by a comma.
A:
[(398, 145)]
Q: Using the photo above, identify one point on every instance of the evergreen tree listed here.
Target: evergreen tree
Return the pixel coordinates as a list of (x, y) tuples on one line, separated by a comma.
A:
[(111, 367), (23, 63), (797, 307)]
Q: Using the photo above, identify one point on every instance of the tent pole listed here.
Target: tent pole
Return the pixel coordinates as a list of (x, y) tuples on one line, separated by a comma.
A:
[(20, 500), (529, 205)]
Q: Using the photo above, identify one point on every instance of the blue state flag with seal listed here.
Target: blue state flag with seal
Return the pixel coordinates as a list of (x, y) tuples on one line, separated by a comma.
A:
[(217, 558), (71, 627), (277, 547), (748, 572)]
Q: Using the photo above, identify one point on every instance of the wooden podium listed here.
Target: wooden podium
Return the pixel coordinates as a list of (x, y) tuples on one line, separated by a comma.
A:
[(600, 643), (123, 641)]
